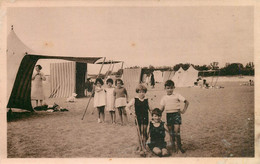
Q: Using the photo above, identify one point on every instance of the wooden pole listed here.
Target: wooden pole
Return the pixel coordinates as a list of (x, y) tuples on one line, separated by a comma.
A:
[(92, 91)]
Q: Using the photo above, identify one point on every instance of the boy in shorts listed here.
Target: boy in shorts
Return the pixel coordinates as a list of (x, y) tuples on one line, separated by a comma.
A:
[(171, 104)]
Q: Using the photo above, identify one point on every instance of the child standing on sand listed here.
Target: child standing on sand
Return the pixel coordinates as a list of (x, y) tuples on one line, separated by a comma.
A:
[(141, 106), (171, 104), (100, 99), (157, 131), (110, 100), (121, 99)]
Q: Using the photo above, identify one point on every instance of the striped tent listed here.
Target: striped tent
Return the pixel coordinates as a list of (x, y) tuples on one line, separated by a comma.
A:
[(67, 78), (131, 78), (20, 65)]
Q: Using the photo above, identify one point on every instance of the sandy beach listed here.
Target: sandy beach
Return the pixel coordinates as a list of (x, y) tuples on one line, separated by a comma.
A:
[(218, 123)]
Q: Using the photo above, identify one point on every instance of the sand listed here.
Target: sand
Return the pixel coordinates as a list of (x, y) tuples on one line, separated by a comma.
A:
[(218, 123)]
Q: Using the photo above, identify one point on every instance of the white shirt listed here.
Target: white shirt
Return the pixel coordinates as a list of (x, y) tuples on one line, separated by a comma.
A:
[(172, 103)]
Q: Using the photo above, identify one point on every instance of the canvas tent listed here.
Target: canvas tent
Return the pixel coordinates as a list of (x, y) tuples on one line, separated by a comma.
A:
[(67, 78), (167, 75), (190, 76), (131, 78), (21, 61), (178, 77), (158, 76), (185, 78)]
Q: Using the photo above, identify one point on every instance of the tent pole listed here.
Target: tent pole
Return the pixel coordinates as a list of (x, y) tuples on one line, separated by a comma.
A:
[(212, 79), (112, 67), (169, 75), (92, 91), (217, 78), (107, 73), (101, 68), (122, 65)]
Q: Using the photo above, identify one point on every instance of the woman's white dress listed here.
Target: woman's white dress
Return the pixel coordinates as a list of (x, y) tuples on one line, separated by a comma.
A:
[(37, 87)]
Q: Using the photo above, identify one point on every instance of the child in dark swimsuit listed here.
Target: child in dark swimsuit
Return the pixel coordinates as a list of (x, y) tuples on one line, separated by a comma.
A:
[(157, 131), (141, 106)]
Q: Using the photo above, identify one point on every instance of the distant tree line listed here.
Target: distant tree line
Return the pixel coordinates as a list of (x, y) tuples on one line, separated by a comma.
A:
[(230, 69), (212, 69)]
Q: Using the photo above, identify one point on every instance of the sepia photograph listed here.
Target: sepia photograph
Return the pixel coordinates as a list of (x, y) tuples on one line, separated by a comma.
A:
[(130, 81)]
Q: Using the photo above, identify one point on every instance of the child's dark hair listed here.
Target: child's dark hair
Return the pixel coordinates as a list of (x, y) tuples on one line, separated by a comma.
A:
[(39, 66), (121, 81), (109, 81), (169, 83), (157, 111), (99, 80), (141, 87)]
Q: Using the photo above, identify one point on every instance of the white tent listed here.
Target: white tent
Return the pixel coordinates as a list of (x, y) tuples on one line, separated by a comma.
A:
[(158, 76), (16, 50), (190, 76), (185, 78), (167, 75), (178, 77)]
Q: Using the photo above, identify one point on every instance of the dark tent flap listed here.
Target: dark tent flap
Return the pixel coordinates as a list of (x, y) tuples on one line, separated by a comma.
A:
[(70, 58)]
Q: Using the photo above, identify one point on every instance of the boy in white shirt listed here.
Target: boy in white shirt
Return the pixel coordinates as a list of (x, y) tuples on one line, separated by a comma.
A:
[(171, 104)]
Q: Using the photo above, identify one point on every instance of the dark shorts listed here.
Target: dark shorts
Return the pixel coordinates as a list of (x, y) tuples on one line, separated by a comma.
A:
[(159, 145), (142, 120), (173, 118)]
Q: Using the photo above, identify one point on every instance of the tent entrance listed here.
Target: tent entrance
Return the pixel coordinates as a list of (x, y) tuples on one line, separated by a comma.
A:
[(67, 78), (81, 69)]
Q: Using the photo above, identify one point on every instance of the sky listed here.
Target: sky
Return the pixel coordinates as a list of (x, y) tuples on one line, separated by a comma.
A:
[(139, 36)]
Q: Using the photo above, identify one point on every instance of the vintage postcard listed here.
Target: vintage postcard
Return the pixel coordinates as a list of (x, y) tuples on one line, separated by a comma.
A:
[(129, 81)]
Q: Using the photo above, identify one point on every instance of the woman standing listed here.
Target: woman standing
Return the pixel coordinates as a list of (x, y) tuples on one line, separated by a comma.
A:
[(37, 87)]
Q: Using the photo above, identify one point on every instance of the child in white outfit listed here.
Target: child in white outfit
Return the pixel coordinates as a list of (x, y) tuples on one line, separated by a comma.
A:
[(110, 100), (100, 99)]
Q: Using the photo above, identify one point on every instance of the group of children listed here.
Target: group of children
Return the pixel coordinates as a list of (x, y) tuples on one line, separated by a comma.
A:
[(110, 98), (151, 133)]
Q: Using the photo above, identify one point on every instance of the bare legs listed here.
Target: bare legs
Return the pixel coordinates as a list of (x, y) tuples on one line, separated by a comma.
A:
[(37, 102), (143, 135), (101, 113), (172, 139), (143, 132), (178, 137), (113, 116), (122, 111), (175, 138)]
